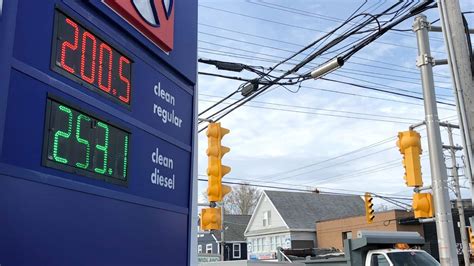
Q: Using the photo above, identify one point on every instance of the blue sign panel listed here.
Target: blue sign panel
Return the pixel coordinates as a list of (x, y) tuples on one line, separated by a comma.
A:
[(97, 111)]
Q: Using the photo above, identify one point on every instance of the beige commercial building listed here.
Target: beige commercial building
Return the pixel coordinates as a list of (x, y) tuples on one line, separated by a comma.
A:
[(331, 233)]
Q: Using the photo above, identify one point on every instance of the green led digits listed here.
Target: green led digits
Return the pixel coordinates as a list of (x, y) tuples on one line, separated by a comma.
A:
[(82, 141), (125, 154), (103, 148), (81, 144), (62, 134)]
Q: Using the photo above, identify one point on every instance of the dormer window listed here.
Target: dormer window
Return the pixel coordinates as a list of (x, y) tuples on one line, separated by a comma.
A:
[(267, 218)]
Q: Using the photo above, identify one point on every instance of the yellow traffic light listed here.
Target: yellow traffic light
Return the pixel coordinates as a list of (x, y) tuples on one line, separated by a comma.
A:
[(215, 170), (211, 219), (471, 239), (369, 211), (409, 143), (423, 205)]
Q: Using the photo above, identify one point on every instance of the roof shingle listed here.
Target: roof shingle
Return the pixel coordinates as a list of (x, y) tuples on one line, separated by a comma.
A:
[(302, 210)]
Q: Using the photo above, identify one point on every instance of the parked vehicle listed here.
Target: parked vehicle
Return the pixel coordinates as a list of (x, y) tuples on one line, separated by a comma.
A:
[(373, 248)]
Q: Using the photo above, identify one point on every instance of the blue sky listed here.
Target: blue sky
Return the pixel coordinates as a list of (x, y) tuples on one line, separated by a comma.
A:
[(301, 139)]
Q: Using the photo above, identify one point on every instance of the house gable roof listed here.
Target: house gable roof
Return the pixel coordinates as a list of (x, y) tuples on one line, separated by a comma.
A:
[(301, 210), (234, 227), (256, 210)]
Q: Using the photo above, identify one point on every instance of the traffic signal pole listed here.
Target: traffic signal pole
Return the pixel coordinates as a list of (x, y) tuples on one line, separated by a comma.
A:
[(444, 222), (459, 205), (459, 62)]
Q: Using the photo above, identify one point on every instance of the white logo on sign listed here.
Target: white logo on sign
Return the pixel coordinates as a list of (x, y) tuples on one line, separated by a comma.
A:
[(167, 4), (146, 8)]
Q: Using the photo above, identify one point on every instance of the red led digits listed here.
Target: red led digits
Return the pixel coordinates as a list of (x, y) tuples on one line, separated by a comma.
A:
[(86, 35), (107, 48), (69, 45), (124, 79), (80, 55)]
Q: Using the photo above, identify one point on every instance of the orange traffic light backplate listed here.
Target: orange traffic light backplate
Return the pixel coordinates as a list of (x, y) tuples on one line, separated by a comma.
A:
[(211, 219), (409, 143), (423, 205)]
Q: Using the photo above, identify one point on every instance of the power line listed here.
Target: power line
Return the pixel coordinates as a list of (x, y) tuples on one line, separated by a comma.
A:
[(341, 92), (327, 90), (364, 42), (299, 27), (315, 113), (299, 45), (283, 50), (310, 64), (299, 190), (379, 90), (331, 159), (366, 171), (320, 16), (321, 109)]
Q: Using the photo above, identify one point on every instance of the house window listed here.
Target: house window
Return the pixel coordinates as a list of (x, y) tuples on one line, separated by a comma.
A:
[(199, 248), (236, 251), (209, 248), (278, 241), (260, 244), (273, 243), (254, 241), (267, 218)]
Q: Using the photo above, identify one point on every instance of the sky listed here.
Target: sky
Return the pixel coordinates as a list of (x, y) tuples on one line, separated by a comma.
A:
[(325, 135)]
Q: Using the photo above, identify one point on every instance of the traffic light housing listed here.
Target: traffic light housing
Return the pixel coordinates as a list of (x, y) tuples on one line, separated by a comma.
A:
[(471, 239), (215, 170), (409, 143), (211, 219), (423, 205), (369, 208)]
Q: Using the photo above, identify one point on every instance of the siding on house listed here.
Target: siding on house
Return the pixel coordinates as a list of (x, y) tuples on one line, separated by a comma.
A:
[(292, 218)]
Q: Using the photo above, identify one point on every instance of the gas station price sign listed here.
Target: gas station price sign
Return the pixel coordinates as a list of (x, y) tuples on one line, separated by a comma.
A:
[(77, 142), (82, 56)]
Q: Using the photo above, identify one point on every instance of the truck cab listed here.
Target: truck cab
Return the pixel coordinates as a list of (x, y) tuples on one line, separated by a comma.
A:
[(399, 257)]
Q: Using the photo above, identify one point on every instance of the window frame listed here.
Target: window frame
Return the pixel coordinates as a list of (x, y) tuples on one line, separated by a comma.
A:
[(199, 248), (207, 248), (376, 255), (233, 251), (267, 218)]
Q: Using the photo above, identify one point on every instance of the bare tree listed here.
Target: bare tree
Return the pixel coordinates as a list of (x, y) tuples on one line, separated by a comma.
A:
[(382, 208), (241, 200)]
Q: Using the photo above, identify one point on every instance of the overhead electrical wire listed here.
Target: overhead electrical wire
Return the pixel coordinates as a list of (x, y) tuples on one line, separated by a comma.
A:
[(355, 95), (311, 64), (360, 86), (368, 147), (440, 96), (217, 116), (348, 116), (320, 114), (299, 45), (296, 26), (300, 190)]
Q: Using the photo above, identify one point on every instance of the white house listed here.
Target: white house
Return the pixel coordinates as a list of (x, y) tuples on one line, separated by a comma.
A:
[(287, 220)]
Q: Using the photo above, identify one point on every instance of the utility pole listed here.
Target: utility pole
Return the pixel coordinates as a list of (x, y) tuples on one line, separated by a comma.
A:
[(459, 205), (222, 232), (459, 62), (439, 177)]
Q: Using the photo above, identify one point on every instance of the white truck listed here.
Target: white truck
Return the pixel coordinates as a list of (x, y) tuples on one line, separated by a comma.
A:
[(375, 248), (399, 257)]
